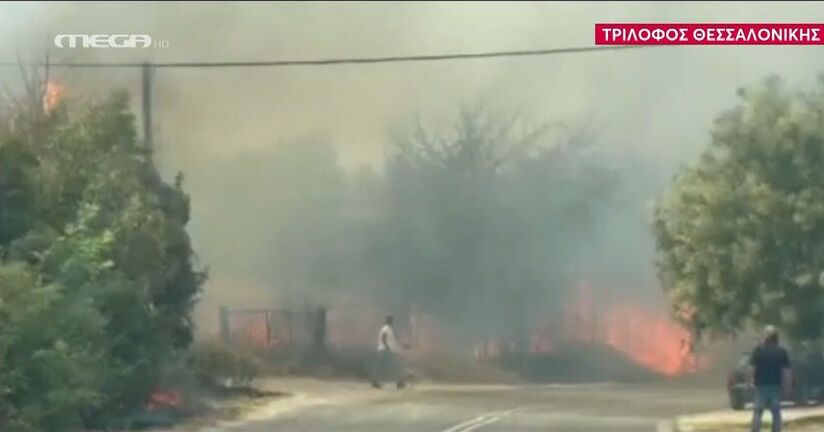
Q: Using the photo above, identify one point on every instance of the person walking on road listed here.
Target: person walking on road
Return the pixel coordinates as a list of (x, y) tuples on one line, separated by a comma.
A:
[(771, 364), (388, 366)]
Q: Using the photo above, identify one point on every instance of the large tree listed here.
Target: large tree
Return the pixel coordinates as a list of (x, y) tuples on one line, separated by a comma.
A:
[(482, 225), (97, 278), (741, 234)]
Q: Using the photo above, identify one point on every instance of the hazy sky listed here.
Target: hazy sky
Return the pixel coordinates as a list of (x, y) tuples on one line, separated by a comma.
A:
[(659, 101)]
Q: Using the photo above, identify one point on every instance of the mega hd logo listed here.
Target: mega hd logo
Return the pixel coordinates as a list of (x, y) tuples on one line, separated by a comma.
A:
[(107, 41)]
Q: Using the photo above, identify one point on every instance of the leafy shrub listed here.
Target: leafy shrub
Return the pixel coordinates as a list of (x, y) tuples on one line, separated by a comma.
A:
[(220, 365), (50, 355)]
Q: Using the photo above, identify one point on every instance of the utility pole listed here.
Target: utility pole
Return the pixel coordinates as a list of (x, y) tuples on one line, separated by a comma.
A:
[(148, 70)]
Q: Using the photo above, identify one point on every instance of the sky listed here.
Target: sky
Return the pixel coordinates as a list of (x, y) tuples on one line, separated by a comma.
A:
[(659, 101)]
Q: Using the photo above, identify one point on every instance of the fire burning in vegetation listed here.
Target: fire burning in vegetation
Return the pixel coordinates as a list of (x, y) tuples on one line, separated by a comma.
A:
[(53, 93), (650, 339), (641, 333), (646, 336)]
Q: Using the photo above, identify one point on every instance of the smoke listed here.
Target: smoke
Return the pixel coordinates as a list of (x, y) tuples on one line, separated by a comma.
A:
[(249, 140)]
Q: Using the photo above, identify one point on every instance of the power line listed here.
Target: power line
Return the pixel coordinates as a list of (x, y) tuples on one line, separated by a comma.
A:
[(329, 62)]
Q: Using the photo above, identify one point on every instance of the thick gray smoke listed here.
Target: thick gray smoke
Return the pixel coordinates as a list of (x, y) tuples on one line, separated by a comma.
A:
[(288, 170)]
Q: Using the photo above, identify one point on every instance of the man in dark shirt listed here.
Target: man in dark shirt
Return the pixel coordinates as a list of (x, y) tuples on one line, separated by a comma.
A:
[(770, 363)]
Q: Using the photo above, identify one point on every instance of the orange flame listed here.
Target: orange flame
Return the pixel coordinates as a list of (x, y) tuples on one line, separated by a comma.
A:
[(642, 333), (650, 339), (52, 95)]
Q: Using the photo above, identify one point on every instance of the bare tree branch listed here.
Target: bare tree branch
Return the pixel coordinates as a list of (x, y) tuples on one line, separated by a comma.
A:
[(524, 142)]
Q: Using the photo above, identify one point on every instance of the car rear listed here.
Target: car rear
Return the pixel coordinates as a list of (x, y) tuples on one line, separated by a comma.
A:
[(739, 389)]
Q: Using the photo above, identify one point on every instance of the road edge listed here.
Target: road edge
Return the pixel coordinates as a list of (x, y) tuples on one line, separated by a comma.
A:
[(678, 424)]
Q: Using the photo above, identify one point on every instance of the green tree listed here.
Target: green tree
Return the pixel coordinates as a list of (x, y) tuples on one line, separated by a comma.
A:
[(103, 240), (51, 354), (741, 234)]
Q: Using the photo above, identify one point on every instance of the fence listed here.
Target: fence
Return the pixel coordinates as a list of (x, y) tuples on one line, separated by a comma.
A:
[(273, 328)]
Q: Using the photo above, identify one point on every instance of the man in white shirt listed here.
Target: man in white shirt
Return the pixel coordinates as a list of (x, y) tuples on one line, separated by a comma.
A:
[(388, 364)]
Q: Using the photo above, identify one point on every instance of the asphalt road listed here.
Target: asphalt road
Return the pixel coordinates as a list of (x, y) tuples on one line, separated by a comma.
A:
[(445, 408)]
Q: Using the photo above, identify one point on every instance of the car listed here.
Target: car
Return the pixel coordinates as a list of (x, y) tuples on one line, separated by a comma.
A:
[(807, 380)]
